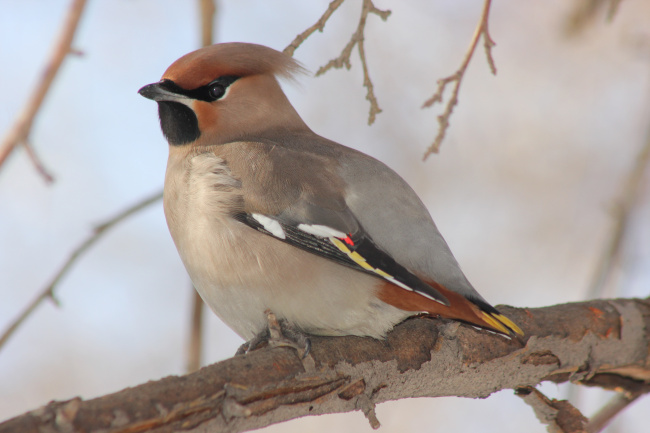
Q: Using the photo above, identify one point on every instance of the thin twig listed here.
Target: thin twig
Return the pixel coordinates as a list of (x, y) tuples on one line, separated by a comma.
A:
[(622, 212), (98, 232), (559, 415), (40, 167), (207, 9), (613, 9), (605, 415), (585, 13), (318, 25), (195, 348), (343, 60), (19, 132), (457, 78)]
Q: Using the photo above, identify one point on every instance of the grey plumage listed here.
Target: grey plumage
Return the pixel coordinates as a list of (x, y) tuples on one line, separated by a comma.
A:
[(248, 152)]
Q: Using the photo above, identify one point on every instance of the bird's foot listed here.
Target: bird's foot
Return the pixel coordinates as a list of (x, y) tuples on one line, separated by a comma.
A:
[(260, 340), (284, 334), (279, 333)]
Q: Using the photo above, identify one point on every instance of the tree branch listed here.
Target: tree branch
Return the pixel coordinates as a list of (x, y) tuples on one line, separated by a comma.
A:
[(585, 13), (318, 25), (596, 343), (195, 344), (19, 133), (457, 78), (48, 292), (623, 209), (560, 415), (207, 11), (357, 39), (605, 415), (40, 167)]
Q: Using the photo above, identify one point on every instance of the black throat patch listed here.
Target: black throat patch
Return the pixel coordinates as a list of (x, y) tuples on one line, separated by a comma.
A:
[(178, 122)]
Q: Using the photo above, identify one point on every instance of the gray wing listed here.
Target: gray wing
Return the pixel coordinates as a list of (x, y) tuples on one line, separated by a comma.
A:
[(399, 223), (336, 235), (312, 185)]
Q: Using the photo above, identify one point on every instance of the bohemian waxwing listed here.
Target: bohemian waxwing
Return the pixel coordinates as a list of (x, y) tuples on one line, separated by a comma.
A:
[(268, 215)]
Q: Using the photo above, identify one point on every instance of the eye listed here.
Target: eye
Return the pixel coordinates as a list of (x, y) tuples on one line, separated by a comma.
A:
[(216, 90)]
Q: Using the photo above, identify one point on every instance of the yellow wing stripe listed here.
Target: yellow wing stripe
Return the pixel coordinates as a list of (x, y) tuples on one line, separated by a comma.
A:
[(497, 321), (340, 245), (382, 273), (359, 260)]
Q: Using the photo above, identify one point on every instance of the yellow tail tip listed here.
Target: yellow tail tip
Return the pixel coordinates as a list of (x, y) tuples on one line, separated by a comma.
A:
[(494, 323), (509, 323), (502, 323)]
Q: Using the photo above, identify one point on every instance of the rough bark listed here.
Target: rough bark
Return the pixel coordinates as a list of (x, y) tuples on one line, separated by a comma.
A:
[(602, 343)]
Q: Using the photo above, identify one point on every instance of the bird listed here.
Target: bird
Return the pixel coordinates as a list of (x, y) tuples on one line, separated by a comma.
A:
[(269, 217)]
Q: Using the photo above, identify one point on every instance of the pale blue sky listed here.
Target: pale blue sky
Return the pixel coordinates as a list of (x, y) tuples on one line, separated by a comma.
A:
[(521, 189)]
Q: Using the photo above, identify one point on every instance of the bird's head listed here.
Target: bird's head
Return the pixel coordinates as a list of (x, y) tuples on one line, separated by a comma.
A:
[(223, 93)]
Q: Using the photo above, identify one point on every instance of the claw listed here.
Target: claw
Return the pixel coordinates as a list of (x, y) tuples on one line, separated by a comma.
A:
[(256, 342), (279, 333), (307, 348), (243, 349)]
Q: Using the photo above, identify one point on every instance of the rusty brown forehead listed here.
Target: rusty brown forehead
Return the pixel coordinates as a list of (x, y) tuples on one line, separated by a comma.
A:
[(206, 64), (197, 69)]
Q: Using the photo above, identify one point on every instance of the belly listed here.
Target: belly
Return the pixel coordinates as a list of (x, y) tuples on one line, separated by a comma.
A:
[(240, 273)]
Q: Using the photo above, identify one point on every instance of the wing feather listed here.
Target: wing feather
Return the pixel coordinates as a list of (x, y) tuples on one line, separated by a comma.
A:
[(354, 250)]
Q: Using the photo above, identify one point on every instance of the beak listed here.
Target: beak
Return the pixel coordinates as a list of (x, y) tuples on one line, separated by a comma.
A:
[(158, 92)]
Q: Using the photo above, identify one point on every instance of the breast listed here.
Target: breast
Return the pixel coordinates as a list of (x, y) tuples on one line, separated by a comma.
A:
[(200, 193), (240, 272)]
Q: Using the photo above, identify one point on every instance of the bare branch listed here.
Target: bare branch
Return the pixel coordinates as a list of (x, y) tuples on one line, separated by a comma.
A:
[(596, 343), (585, 13), (40, 168), (613, 9), (488, 42), (207, 11), (318, 25), (560, 415), (195, 347), (457, 78), (605, 415), (625, 205), (48, 292), (343, 60), (19, 132)]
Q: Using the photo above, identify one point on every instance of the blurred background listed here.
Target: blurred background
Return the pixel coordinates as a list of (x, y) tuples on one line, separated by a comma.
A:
[(524, 188)]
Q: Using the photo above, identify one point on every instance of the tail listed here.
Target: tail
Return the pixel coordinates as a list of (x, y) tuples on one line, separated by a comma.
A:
[(476, 312), (497, 321)]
